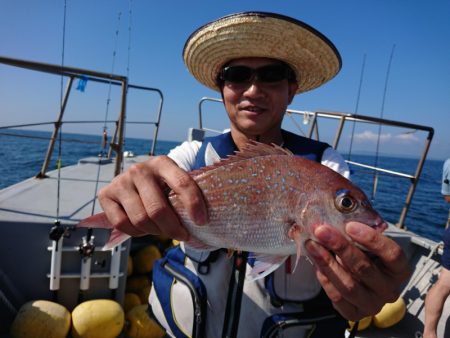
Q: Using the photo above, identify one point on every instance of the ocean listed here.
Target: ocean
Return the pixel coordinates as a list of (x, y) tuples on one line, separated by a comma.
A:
[(22, 154)]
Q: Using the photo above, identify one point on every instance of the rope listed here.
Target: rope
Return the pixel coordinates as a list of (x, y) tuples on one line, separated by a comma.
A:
[(295, 123)]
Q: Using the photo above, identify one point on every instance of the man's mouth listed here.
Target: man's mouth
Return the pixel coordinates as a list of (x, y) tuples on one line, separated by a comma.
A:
[(253, 109)]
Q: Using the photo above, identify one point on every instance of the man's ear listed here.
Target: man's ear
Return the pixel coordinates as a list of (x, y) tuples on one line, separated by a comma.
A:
[(293, 86)]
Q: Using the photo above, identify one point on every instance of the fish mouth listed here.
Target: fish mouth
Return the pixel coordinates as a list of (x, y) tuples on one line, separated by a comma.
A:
[(380, 225)]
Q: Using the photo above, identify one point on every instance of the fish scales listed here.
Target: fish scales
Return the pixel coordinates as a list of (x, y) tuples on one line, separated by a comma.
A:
[(250, 205), (255, 197), (267, 201)]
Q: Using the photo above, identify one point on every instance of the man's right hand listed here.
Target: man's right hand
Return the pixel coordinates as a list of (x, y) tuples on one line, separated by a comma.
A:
[(135, 201)]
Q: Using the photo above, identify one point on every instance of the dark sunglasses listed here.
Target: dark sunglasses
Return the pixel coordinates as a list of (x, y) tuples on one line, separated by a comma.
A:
[(267, 74)]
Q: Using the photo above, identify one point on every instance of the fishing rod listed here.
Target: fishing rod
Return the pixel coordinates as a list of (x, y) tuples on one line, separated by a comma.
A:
[(57, 232), (357, 106), (87, 246), (375, 177)]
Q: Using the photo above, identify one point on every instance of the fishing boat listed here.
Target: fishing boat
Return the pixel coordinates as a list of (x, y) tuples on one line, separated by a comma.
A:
[(45, 257)]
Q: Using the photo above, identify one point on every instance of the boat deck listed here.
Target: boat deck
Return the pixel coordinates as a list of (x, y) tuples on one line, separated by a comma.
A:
[(28, 212)]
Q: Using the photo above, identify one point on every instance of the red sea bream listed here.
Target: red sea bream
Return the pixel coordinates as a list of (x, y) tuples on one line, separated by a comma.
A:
[(267, 201)]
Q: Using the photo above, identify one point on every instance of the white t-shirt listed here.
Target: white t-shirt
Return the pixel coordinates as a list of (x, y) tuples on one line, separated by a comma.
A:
[(184, 155)]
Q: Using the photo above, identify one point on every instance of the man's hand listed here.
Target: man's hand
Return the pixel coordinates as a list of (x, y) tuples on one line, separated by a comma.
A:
[(135, 202), (358, 284)]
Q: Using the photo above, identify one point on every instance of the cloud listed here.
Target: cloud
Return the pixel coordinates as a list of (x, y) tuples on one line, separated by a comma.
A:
[(371, 137), (407, 138)]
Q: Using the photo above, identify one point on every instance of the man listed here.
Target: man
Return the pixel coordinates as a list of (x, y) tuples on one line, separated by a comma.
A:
[(436, 297), (258, 62)]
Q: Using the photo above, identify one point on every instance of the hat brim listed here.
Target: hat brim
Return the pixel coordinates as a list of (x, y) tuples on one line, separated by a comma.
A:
[(314, 59)]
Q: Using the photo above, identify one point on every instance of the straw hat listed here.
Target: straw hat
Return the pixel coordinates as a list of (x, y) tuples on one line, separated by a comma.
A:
[(311, 55)]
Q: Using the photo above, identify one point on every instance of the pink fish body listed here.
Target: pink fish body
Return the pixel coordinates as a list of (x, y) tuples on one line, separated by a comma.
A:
[(258, 197), (267, 201)]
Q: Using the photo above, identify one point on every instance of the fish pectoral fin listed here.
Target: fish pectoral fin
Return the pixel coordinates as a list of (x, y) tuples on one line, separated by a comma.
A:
[(265, 265), (295, 233)]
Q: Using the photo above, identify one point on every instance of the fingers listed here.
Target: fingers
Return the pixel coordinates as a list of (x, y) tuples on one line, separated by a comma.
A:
[(157, 212), (185, 187), (350, 297), (357, 284), (136, 204), (124, 209), (391, 254)]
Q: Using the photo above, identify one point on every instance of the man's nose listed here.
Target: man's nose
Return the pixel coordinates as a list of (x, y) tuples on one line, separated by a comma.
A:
[(255, 88)]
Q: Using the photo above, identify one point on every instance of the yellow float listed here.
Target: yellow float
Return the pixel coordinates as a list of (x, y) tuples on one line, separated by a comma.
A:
[(129, 266), (140, 325), (390, 314), (362, 324), (41, 319), (143, 259), (99, 318), (130, 301)]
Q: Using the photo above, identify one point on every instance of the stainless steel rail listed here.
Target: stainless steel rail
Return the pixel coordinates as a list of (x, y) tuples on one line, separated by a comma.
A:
[(95, 76), (342, 119)]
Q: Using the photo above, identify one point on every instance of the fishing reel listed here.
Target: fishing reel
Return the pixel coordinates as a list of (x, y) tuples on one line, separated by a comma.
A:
[(87, 247), (57, 231)]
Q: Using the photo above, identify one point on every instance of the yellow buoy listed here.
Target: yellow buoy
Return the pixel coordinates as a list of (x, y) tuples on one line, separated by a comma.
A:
[(41, 319), (129, 266), (362, 325), (143, 259), (390, 314), (140, 325), (98, 318), (136, 283), (144, 293), (131, 300)]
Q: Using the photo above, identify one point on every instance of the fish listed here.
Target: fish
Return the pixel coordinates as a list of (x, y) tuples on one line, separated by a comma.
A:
[(267, 201)]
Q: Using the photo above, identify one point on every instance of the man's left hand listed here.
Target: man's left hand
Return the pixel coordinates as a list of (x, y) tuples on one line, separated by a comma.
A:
[(358, 283)]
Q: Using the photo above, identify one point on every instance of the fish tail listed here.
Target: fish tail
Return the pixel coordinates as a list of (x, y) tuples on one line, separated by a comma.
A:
[(117, 237), (95, 221), (100, 221)]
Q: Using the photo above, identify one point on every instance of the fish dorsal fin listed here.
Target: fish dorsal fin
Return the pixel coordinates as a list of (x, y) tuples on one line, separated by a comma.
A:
[(252, 149), (255, 149)]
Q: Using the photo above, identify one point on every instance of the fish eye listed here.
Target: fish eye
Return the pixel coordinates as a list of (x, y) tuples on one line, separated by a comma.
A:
[(345, 203)]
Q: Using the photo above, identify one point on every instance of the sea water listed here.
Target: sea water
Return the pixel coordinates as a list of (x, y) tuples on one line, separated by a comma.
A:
[(22, 154)]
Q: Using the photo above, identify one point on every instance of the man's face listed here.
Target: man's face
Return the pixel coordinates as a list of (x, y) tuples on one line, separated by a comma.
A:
[(256, 108)]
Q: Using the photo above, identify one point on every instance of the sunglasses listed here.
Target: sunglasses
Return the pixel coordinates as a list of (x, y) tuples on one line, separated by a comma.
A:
[(266, 74)]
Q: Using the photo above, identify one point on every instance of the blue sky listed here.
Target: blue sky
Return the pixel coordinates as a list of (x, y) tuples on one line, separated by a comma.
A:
[(418, 89)]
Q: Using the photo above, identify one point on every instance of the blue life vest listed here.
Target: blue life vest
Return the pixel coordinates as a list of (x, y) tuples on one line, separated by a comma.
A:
[(299, 145), (171, 269)]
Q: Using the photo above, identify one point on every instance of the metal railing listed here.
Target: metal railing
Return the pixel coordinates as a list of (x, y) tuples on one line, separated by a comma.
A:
[(343, 118), (110, 79)]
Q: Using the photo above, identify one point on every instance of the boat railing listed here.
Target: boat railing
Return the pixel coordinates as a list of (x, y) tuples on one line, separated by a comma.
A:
[(314, 118), (72, 73)]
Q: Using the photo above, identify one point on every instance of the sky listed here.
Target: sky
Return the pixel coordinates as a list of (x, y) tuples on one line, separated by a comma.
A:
[(144, 40)]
